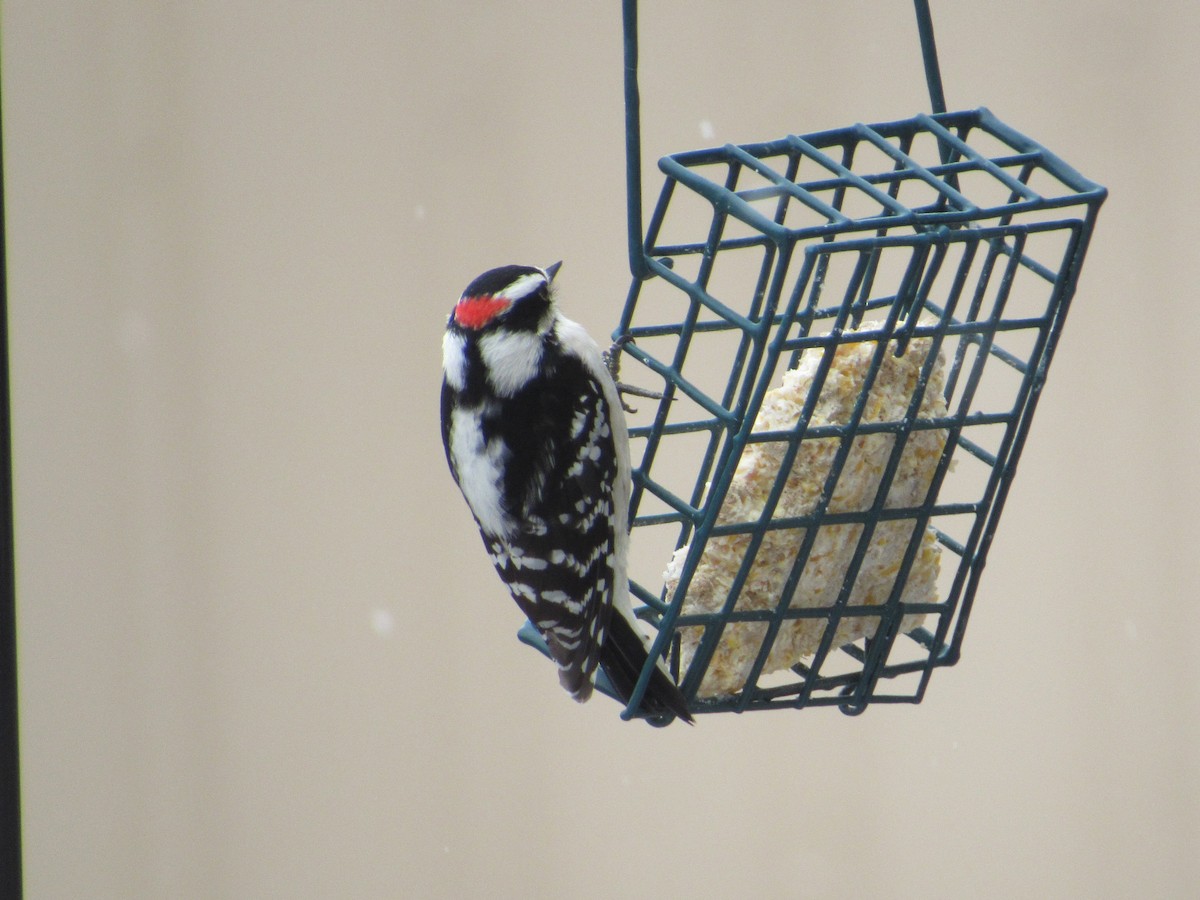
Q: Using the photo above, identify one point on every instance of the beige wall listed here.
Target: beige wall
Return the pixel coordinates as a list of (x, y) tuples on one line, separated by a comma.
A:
[(262, 652)]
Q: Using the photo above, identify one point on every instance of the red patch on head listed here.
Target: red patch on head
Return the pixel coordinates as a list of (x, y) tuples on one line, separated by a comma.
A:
[(475, 312)]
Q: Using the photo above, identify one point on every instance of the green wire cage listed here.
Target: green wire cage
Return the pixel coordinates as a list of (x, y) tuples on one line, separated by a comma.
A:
[(850, 330)]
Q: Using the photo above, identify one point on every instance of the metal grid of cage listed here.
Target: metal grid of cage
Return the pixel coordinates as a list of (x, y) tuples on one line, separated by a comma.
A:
[(930, 260), (951, 235)]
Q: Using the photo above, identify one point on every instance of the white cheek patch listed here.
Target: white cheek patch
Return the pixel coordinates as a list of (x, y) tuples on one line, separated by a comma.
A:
[(454, 360), (511, 359)]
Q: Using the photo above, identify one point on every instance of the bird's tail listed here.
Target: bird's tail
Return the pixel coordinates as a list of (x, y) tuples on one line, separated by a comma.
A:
[(623, 656)]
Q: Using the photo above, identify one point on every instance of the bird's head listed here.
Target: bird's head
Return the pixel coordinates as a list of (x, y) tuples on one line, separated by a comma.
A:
[(517, 297)]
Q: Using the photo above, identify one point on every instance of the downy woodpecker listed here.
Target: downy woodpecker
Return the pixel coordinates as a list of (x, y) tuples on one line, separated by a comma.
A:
[(535, 436)]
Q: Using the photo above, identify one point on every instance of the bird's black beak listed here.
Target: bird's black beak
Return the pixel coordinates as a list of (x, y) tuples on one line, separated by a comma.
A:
[(552, 270)]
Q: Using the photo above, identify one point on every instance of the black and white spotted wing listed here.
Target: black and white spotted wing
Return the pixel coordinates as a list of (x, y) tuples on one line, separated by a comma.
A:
[(559, 562)]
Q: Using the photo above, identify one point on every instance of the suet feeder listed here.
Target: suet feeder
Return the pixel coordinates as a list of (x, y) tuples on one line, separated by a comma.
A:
[(850, 330)]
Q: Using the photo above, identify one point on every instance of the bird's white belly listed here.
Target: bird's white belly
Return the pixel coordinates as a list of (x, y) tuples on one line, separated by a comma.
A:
[(480, 465)]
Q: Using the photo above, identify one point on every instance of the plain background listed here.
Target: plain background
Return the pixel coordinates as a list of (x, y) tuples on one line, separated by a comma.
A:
[(262, 652)]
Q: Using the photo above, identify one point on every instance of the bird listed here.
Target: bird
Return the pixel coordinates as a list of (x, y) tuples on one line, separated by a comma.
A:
[(535, 436)]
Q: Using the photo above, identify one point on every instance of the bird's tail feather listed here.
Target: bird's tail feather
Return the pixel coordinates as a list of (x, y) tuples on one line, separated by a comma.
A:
[(622, 657)]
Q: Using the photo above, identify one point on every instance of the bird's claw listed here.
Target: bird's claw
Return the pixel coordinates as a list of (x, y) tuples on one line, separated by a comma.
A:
[(612, 361)]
